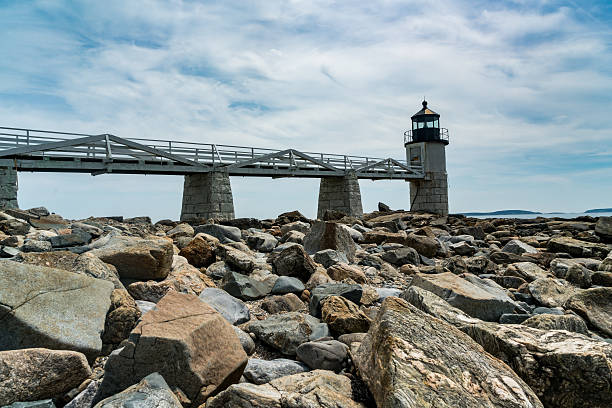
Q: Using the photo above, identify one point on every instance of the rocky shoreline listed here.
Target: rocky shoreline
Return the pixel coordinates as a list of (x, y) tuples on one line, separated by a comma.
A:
[(394, 309)]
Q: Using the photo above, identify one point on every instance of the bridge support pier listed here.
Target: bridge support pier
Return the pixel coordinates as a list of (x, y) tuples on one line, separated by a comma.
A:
[(340, 194), (430, 195), (207, 195), (8, 187)]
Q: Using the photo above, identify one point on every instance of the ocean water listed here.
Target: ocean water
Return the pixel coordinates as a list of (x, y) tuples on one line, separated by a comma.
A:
[(560, 215)]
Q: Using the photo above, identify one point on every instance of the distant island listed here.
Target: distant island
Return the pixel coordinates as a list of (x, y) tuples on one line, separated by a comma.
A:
[(500, 212), (598, 210)]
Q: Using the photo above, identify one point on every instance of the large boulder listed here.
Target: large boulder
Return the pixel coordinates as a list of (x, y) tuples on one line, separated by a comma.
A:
[(564, 369), (314, 389), (37, 373), (577, 248), (517, 247), (238, 260), (402, 256), (569, 322), (199, 252), (232, 309), (342, 271), (343, 316), (294, 261), (137, 258), (552, 292), (329, 235), (261, 241), (183, 278), (151, 391), (603, 228), (595, 305), (51, 308), (323, 354), (85, 264), (572, 271), (409, 359), (286, 331), (528, 271), (423, 244), (244, 287), (476, 300), (223, 233), (191, 345)]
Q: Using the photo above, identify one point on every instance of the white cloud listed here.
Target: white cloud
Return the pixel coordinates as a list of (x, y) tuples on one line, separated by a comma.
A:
[(340, 77)]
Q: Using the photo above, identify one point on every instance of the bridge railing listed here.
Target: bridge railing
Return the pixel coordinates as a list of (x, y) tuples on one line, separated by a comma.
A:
[(210, 154)]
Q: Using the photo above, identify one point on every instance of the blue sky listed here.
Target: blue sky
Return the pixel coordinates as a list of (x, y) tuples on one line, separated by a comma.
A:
[(525, 88)]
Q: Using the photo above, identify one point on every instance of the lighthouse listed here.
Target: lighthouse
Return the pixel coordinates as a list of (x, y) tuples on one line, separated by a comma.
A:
[(425, 146)]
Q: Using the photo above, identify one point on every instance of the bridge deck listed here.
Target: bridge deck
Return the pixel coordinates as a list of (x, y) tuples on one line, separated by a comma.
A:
[(46, 151)]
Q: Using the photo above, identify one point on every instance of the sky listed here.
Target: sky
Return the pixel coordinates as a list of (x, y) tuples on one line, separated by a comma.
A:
[(524, 87)]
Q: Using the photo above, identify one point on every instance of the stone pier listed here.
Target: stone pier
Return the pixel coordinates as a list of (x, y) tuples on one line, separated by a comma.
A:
[(8, 187), (340, 194), (207, 195)]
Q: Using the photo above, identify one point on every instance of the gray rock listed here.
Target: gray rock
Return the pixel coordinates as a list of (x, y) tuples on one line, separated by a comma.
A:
[(329, 257), (260, 371), (329, 235), (248, 345), (526, 270), (244, 287), (313, 389), (217, 270), (136, 258), (9, 252), (223, 233), (151, 391), (402, 256), (76, 238), (51, 308), (299, 226), (287, 284), (409, 359), (603, 227), (321, 292), (594, 305), (294, 261), (324, 354), (236, 259), (231, 308), (34, 245), (261, 241), (280, 248), (37, 373), (477, 300), (517, 247), (14, 227), (181, 230), (292, 237), (286, 331), (463, 248), (551, 292), (86, 397), (572, 271), (567, 322)]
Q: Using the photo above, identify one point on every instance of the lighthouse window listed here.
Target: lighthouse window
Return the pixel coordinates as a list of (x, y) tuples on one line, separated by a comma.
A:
[(436, 125), (430, 124), (414, 125), (421, 125)]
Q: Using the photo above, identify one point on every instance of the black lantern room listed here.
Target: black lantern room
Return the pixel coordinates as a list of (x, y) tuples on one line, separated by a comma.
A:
[(426, 127)]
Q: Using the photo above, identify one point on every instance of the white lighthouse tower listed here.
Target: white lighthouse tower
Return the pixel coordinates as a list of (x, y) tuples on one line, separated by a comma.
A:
[(425, 145)]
